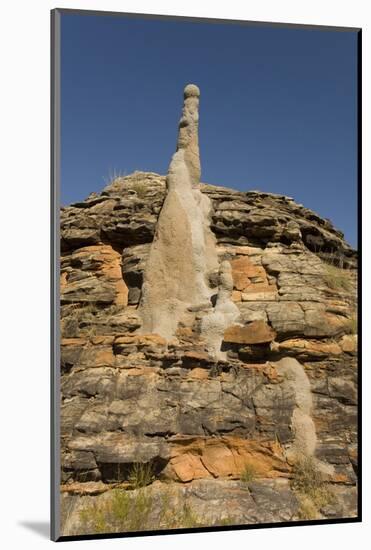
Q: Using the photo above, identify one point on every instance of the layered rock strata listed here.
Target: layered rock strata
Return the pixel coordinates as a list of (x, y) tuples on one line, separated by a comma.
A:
[(216, 361)]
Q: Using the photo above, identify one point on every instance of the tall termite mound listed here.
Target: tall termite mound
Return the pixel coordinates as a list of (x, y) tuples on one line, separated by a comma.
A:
[(183, 251)]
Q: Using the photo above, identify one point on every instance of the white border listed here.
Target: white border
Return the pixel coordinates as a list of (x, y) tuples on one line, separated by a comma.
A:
[(25, 233)]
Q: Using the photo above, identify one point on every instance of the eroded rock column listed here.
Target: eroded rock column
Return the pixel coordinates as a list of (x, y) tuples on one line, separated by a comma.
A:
[(183, 251), (222, 316), (302, 425)]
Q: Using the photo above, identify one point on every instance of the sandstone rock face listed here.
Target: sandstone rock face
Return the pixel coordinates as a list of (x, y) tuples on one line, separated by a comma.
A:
[(183, 505), (256, 332), (92, 274), (208, 335)]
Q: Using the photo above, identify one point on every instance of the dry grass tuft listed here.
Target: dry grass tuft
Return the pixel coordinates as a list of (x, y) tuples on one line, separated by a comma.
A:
[(312, 490), (141, 475), (337, 278), (249, 473)]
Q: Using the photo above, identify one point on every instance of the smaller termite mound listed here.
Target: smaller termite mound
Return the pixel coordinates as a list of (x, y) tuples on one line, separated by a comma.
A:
[(302, 425)]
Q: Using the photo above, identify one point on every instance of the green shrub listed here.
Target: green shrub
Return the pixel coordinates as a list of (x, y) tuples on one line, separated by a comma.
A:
[(248, 473), (120, 505), (93, 519), (188, 518), (141, 474), (123, 511), (139, 513)]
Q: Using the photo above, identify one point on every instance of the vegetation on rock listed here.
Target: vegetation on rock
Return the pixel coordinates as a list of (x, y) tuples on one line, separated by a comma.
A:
[(337, 278), (248, 473), (311, 487), (194, 369)]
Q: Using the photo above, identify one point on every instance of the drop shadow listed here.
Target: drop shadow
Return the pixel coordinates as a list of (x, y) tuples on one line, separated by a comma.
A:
[(41, 528)]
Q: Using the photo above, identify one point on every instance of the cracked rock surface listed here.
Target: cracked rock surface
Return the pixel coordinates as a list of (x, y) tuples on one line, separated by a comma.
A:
[(256, 366), (130, 396)]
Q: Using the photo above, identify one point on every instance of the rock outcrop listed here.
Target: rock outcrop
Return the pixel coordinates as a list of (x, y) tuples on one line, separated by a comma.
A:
[(209, 351)]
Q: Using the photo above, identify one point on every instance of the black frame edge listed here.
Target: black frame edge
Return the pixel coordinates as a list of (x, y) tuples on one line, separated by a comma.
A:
[(211, 529), (360, 266)]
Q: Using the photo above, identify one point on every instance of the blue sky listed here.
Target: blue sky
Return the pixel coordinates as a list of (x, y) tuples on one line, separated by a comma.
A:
[(277, 107)]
